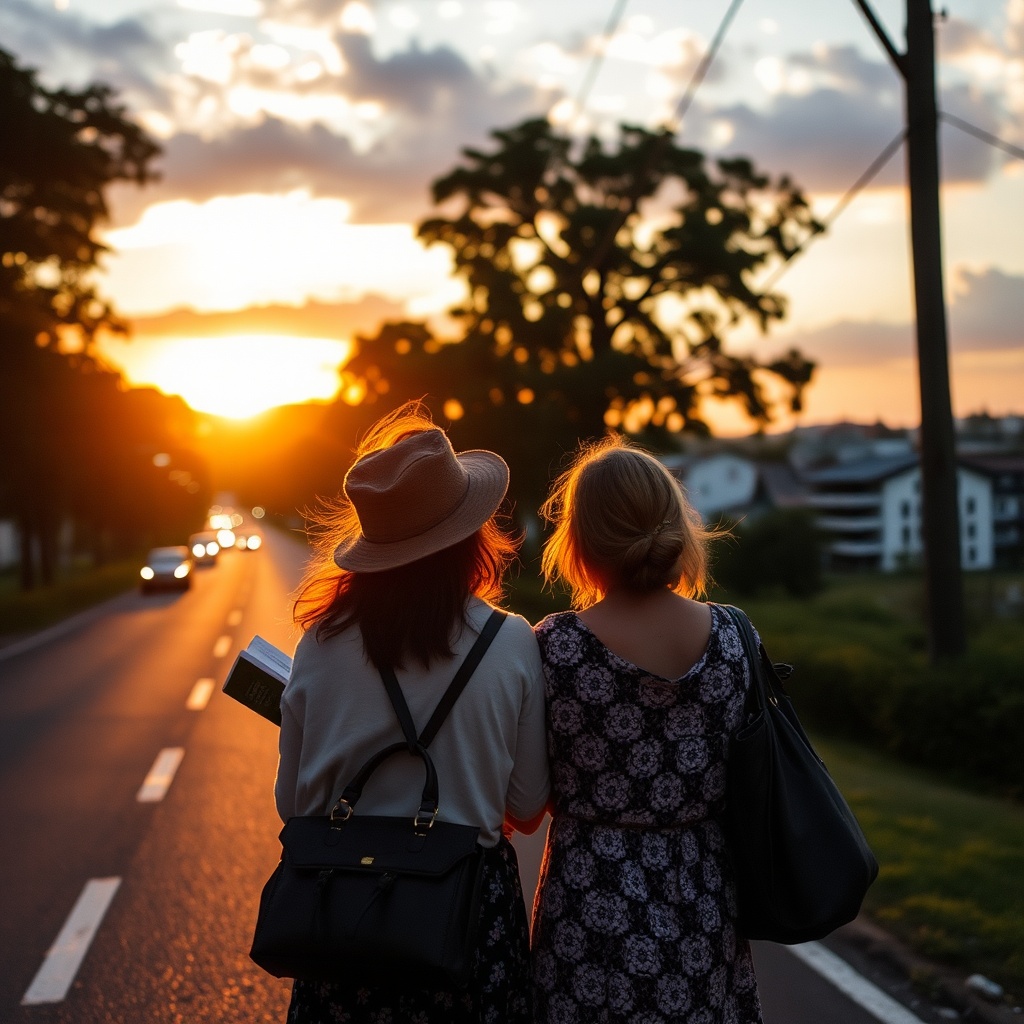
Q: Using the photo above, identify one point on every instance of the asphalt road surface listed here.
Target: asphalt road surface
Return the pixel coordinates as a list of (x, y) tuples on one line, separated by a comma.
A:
[(137, 823)]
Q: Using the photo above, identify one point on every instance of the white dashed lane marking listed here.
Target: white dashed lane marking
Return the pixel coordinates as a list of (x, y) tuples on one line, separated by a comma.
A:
[(200, 695), (854, 985), (235, 617), (222, 646), (160, 776), (58, 970)]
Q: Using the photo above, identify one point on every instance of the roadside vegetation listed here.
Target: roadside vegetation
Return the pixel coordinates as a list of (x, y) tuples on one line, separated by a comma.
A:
[(950, 863), (23, 612), (944, 812)]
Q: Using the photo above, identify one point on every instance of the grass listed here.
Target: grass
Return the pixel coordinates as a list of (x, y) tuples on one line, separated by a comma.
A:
[(950, 863), (951, 860), (79, 589)]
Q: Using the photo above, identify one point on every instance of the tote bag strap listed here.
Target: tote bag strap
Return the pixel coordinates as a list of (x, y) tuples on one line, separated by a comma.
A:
[(759, 687), (451, 695)]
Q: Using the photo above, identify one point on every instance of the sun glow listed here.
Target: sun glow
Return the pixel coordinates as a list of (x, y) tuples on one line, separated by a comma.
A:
[(240, 375), (232, 252)]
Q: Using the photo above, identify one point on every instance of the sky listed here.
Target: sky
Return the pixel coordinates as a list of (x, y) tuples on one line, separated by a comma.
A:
[(300, 139)]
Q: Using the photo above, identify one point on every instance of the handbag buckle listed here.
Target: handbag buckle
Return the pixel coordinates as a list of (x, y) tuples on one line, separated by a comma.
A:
[(422, 825), (340, 813)]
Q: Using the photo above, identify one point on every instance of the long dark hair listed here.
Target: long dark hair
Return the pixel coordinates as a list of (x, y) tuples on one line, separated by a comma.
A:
[(414, 610)]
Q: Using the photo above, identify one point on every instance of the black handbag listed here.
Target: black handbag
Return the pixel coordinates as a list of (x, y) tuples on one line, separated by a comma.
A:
[(373, 898), (801, 861)]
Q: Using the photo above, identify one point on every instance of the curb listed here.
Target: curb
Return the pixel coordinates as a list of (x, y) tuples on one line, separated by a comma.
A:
[(863, 939)]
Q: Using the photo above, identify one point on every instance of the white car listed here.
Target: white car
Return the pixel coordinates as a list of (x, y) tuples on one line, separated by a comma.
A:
[(205, 547), (167, 569)]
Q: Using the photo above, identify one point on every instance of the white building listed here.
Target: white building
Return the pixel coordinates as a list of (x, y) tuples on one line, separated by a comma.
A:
[(717, 484), (870, 511)]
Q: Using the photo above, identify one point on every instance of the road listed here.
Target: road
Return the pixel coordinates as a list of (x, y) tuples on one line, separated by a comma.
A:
[(166, 885)]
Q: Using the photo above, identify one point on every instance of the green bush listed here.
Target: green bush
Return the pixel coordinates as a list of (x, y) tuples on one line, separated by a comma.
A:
[(777, 549), (964, 720)]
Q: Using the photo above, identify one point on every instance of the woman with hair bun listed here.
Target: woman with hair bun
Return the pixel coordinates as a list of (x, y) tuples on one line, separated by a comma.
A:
[(635, 915)]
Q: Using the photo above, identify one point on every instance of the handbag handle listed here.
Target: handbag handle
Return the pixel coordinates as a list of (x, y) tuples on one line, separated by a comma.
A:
[(430, 798)]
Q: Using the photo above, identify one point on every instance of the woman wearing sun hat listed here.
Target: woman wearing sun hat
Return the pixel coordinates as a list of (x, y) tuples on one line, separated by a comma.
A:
[(404, 568)]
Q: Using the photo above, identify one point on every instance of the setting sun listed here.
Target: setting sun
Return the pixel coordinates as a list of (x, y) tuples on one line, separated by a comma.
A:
[(239, 375)]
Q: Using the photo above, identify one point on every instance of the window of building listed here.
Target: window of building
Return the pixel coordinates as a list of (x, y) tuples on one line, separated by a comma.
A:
[(972, 554), (906, 536), (905, 509), (972, 530), (970, 505)]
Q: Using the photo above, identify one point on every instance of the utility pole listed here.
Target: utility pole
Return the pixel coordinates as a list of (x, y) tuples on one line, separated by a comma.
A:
[(947, 635)]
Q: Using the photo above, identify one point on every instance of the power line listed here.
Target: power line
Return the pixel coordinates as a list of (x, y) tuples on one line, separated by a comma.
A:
[(700, 72), (980, 133), (873, 168), (598, 59), (655, 151)]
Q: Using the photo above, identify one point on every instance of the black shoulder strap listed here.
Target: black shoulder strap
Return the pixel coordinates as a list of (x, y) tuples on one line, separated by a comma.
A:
[(451, 695), (754, 653)]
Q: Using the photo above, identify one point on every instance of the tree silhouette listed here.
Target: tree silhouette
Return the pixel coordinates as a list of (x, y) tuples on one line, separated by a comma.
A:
[(61, 150), (600, 284)]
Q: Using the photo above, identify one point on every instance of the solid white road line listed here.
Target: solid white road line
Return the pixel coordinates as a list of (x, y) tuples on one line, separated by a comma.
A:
[(235, 617), (160, 776), (200, 695), (58, 970), (854, 985), (222, 646)]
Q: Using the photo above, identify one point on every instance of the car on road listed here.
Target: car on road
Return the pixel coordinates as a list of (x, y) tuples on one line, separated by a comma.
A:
[(205, 547), (248, 540), (168, 568)]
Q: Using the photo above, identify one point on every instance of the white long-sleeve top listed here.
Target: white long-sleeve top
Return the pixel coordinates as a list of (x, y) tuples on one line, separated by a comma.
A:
[(490, 753)]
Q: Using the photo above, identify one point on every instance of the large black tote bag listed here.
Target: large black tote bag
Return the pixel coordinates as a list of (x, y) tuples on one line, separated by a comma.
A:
[(802, 863)]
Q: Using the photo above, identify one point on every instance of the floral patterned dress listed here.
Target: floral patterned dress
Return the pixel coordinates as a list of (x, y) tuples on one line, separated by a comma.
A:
[(635, 915)]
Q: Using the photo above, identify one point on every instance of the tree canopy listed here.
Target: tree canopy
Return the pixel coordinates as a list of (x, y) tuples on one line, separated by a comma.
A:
[(62, 149), (601, 280), (73, 441)]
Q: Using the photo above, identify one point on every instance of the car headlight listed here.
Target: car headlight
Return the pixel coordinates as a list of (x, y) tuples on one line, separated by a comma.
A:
[(181, 571), (253, 542), (212, 548), (146, 572), (199, 550), (226, 538)]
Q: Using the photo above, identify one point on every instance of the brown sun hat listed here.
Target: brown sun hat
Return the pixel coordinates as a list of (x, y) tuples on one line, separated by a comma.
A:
[(417, 497)]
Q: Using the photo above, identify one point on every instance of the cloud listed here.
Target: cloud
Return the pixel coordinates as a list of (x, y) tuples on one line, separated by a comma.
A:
[(433, 104), (987, 310), (849, 343), (957, 40), (985, 314), (313, 320), (70, 51), (833, 114)]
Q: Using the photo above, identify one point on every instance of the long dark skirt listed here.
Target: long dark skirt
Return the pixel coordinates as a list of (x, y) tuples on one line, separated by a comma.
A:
[(499, 991)]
